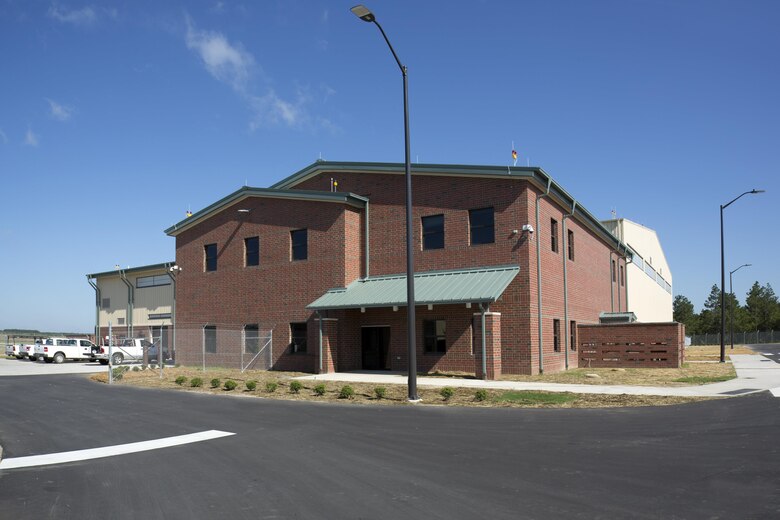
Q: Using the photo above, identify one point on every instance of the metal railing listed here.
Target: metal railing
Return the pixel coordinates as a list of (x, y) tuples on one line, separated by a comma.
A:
[(740, 338)]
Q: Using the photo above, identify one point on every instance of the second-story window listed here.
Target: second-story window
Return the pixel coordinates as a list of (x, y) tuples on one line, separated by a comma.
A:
[(210, 251), (570, 240), (481, 226), (300, 249), (554, 235), (433, 232), (252, 247)]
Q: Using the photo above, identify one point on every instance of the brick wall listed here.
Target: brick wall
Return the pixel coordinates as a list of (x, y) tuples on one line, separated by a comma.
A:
[(632, 345)]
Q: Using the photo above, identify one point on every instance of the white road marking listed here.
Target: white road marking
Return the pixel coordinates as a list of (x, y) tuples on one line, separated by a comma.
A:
[(775, 391), (109, 451)]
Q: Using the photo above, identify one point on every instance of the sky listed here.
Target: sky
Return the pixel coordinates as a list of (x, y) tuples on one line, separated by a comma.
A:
[(116, 117)]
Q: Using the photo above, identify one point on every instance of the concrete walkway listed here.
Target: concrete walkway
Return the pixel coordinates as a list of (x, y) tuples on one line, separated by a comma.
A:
[(754, 374)]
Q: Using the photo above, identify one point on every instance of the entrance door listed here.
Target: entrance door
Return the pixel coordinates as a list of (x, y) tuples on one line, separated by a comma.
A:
[(375, 345)]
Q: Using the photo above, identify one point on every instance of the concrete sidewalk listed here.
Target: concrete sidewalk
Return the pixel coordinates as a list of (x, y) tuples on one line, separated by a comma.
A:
[(754, 374)]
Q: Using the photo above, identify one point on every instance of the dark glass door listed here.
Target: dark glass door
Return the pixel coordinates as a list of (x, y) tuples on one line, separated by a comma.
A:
[(375, 346)]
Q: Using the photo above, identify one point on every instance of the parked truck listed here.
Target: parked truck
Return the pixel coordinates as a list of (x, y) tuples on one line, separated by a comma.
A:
[(58, 350), (27, 350), (128, 349)]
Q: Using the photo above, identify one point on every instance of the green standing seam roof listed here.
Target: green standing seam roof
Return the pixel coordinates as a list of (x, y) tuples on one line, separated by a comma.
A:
[(479, 285)]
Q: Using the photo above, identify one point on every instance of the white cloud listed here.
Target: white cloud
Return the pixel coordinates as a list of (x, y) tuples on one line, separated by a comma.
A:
[(228, 63), (30, 139), (59, 112), (84, 16)]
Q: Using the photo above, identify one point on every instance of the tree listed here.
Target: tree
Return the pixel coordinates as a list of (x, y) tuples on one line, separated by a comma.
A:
[(683, 313), (709, 318), (762, 307)]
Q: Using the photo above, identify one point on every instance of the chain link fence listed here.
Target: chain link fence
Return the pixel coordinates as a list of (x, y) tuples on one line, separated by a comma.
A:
[(740, 338), (222, 346)]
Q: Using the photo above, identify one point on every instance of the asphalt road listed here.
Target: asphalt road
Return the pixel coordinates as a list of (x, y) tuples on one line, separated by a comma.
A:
[(769, 350), (717, 459)]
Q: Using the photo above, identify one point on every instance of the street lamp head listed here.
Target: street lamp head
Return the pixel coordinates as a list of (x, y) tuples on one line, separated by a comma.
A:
[(363, 13), (758, 191)]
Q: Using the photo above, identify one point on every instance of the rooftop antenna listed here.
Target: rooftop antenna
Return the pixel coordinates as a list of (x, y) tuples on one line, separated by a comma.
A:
[(614, 214)]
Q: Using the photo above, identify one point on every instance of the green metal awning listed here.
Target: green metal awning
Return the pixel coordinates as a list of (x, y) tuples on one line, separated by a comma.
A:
[(480, 285)]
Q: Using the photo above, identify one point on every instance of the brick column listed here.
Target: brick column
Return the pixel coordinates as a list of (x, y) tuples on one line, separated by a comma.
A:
[(329, 339), (492, 344)]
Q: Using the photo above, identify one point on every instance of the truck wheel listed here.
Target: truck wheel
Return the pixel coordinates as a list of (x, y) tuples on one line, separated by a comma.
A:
[(19, 357), (59, 357), (33, 358), (103, 361), (48, 360), (117, 359)]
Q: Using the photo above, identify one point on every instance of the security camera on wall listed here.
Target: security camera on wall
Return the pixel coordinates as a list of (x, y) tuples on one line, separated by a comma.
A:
[(529, 228)]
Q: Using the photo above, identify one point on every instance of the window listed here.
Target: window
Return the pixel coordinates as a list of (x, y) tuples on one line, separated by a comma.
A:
[(160, 316), (210, 338), (251, 339), (299, 239), (481, 226), (554, 235), (557, 335), (105, 303), (613, 271), (297, 338), (211, 257), (152, 281), (252, 248), (120, 321), (622, 280), (433, 232), (435, 336), (573, 335), (570, 239)]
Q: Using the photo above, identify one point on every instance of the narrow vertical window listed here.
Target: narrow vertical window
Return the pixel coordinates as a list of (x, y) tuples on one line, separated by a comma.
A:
[(622, 279), (210, 251), (251, 338), (435, 336), (252, 248), (570, 239), (614, 274), (210, 338), (557, 335), (298, 338), (433, 232), (573, 335), (481, 226), (300, 246), (554, 235)]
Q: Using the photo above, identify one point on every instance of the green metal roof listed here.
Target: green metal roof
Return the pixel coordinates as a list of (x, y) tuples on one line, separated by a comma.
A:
[(480, 285), (247, 191), (115, 272)]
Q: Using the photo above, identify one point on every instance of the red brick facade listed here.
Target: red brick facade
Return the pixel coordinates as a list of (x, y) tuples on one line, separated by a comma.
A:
[(276, 293), (632, 345)]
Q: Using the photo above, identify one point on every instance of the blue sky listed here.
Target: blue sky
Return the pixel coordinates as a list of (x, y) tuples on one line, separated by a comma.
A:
[(116, 117)]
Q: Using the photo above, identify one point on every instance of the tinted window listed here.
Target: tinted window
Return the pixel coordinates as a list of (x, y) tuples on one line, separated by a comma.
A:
[(297, 337), (433, 232), (435, 336), (252, 246), (210, 338), (211, 257), (481, 226), (299, 239), (554, 235)]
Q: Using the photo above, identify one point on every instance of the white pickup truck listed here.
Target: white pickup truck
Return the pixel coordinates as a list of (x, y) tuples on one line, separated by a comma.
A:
[(27, 350), (58, 350), (129, 349), (12, 350)]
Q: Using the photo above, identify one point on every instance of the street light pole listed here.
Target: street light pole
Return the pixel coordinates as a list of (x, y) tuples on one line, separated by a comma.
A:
[(731, 310), (366, 15), (723, 277)]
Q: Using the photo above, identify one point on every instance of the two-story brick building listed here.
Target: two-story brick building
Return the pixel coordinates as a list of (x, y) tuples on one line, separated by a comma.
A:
[(322, 272)]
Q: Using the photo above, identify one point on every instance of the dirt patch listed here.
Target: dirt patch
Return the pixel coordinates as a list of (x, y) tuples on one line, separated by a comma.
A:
[(712, 352), (366, 393)]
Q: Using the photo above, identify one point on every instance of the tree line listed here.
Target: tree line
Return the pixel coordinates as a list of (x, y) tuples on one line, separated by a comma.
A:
[(760, 312)]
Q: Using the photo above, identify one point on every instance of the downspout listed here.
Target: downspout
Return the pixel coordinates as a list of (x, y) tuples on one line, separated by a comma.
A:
[(626, 277), (484, 342), (171, 270), (319, 341), (620, 304), (565, 255), (97, 309), (367, 243), (539, 274), (130, 303)]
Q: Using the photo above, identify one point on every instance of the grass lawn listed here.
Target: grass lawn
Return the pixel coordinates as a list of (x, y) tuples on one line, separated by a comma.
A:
[(712, 352), (281, 385)]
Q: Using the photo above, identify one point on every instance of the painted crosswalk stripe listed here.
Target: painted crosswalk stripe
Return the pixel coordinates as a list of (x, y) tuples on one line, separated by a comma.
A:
[(109, 451)]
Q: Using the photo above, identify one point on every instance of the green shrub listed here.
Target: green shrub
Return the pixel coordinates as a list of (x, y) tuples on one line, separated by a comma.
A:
[(346, 392), (119, 372), (230, 385), (271, 386), (180, 380), (480, 395), (319, 389), (295, 386), (196, 382), (136, 369), (251, 385), (380, 392), (447, 392), (215, 382)]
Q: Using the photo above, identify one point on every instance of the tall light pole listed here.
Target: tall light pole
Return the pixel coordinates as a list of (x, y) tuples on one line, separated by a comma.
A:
[(366, 15), (731, 310), (723, 277)]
